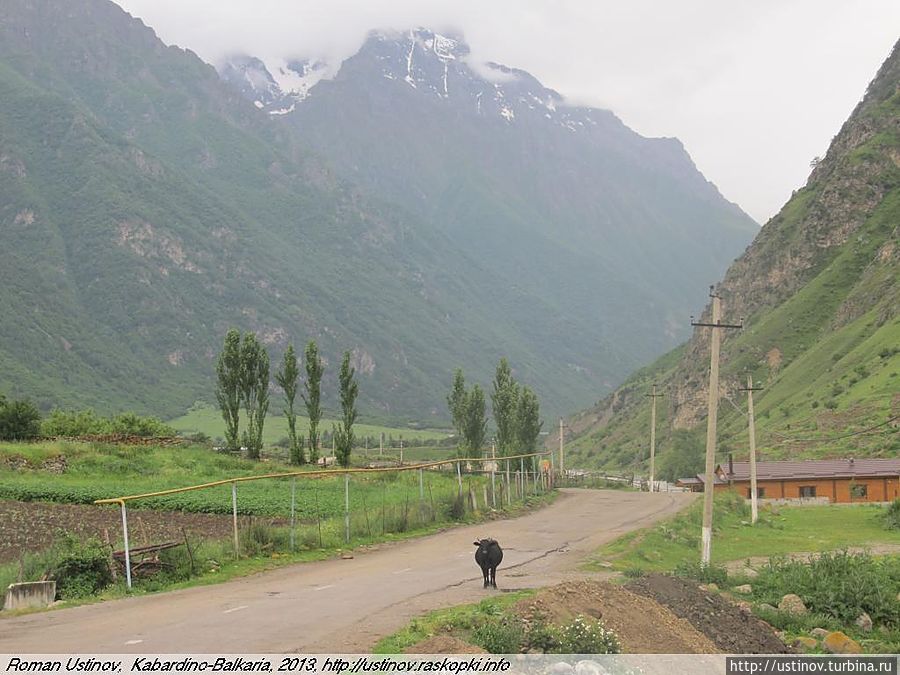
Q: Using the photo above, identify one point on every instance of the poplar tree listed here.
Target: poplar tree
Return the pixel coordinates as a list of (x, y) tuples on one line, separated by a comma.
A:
[(254, 386), (287, 379), (474, 422), (504, 401), (312, 397), (456, 401), (228, 386), (528, 422), (343, 433)]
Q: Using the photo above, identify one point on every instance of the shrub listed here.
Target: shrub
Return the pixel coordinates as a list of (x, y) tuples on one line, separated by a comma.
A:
[(131, 424), (500, 635), (89, 423), (80, 568), (891, 516), (541, 636), (839, 585), (19, 420), (707, 574), (586, 636)]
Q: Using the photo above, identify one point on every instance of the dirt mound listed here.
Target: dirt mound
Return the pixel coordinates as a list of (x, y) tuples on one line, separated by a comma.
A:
[(642, 626), (444, 644), (732, 629)]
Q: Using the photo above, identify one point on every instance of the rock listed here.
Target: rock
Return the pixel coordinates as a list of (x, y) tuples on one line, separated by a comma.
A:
[(766, 607), (780, 634), (819, 633), (805, 644), (792, 604), (744, 589), (710, 588), (346, 556), (864, 621), (749, 572), (839, 643), (589, 668)]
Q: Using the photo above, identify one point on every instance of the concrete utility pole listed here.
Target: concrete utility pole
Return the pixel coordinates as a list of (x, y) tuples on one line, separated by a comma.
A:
[(712, 412), (562, 461), (653, 396), (754, 510)]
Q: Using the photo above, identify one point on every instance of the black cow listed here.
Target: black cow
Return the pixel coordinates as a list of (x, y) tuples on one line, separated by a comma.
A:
[(488, 556)]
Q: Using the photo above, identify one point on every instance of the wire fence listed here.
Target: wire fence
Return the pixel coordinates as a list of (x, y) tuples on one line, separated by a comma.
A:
[(375, 501)]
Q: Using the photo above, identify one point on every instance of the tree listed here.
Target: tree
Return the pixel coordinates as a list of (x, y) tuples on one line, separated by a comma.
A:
[(254, 391), (475, 421), (313, 396), (456, 401), (228, 386), (504, 401), (528, 423), (685, 459), (19, 420), (343, 434), (287, 380)]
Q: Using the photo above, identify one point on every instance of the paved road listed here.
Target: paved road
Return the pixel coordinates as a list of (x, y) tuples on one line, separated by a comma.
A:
[(344, 605)]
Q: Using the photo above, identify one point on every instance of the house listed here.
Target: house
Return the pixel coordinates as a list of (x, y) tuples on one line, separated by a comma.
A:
[(841, 481)]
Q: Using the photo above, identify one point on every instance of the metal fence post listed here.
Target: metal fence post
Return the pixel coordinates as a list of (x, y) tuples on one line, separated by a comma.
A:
[(459, 475), (127, 551), (293, 510), (237, 544), (347, 507)]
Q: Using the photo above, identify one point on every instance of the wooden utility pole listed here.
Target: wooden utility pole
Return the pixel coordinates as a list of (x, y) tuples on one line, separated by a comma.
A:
[(401, 451), (754, 507), (711, 419), (653, 396), (381, 444)]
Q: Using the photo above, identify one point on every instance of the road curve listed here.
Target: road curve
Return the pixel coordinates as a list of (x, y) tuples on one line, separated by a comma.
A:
[(344, 605)]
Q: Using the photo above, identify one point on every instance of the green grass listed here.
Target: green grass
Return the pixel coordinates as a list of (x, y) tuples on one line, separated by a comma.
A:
[(208, 420), (457, 621), (96, 471), (778, 532)]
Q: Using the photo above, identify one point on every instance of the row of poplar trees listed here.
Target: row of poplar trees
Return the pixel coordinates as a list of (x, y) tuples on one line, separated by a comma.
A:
[(242, 372), (516, 412)]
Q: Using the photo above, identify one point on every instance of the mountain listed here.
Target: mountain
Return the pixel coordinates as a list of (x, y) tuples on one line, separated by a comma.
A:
[(584, 216), (146, 206), (819, 290)]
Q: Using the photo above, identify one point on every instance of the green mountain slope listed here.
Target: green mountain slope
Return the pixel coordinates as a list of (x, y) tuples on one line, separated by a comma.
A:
[(819, 289), (144, 210), (146, 207)]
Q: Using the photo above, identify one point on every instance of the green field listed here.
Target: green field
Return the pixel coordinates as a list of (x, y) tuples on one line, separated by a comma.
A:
[(779, 531), (208, 420), (97, 471)]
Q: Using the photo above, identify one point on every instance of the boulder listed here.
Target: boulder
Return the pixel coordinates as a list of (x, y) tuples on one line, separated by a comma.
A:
[(710, 588), (819, 633), (792, 604), (749, 573), (766, 607), (745, 589), (839, 643), (805, 644), (864, 621)]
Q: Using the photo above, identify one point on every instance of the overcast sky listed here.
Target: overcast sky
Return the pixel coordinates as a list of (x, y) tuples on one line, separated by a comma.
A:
[(754, 89)]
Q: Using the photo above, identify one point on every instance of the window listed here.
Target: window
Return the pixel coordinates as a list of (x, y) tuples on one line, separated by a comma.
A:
[(807, 491), (858, 491), (760, 493)]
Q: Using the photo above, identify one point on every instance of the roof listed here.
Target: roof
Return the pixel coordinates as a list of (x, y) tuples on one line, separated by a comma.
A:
[(819, 468), (688, 481)]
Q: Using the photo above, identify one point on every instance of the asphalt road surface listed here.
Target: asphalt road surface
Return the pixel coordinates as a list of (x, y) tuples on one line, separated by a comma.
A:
[(344, 606)]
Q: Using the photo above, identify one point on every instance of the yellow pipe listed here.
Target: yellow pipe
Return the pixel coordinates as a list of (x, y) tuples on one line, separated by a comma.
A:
[(321, 473)]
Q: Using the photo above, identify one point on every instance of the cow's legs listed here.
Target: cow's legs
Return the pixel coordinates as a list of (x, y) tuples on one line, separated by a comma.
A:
[(486, 573), (494, 577)]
